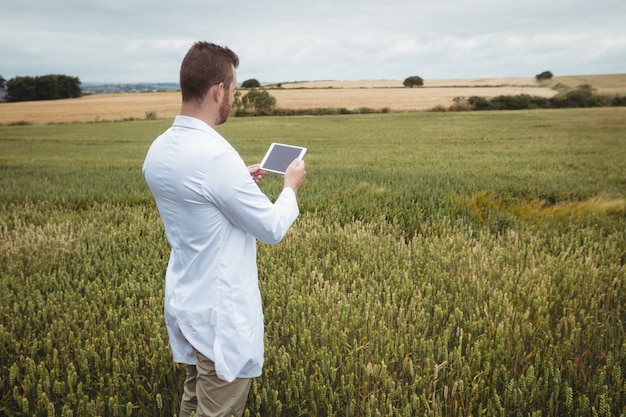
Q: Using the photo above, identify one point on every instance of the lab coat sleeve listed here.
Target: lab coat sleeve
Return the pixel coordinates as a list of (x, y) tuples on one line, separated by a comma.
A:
[(246, 206)]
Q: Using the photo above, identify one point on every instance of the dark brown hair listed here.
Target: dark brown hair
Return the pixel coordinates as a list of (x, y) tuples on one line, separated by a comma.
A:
[(204, 66)]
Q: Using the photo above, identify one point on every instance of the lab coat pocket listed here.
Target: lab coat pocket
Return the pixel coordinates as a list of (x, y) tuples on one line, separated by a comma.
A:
[(248, 314), (195, 317)]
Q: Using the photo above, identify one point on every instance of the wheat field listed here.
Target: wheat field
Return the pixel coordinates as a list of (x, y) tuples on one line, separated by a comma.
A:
[(374, 94), (444, 264)]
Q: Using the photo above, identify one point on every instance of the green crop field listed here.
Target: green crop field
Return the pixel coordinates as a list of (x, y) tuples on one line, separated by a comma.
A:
[(444, 264)]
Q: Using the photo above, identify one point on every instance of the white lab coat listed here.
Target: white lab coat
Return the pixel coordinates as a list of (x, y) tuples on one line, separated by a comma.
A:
[(213, 214)]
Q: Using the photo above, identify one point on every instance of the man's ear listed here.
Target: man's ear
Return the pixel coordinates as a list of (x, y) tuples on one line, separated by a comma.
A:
[(217, 92)]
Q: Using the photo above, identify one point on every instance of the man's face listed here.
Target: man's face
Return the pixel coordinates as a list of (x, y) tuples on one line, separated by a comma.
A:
[(229, 99)]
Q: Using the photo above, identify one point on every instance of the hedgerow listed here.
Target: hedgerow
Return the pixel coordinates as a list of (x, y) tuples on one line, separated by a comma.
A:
[(582, 96)]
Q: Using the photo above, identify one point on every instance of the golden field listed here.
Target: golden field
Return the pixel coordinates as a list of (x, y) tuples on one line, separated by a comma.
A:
[(374, 94)]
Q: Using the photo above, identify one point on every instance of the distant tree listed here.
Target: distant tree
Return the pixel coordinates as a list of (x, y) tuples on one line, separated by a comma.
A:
[(2, 81), (46, 87), (21, 89), (413, 81), (546, 75), (258, 102), (251, 83)]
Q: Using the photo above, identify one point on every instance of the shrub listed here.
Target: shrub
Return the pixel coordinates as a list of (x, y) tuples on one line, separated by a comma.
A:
[(517, 102), (460, 104), (439, 108), (258, 102), (619, 100), (583, 96), (479, 103)]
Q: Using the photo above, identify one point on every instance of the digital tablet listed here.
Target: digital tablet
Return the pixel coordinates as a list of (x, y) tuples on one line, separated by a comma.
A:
[(279, 156)]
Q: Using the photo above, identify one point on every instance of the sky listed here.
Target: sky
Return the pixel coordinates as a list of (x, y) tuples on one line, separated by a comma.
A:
[(132, 41)]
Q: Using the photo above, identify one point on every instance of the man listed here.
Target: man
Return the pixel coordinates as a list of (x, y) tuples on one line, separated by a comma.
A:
[(213, 212)]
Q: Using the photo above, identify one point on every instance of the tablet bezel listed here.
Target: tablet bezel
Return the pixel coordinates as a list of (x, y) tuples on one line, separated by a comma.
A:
[(273, 146)]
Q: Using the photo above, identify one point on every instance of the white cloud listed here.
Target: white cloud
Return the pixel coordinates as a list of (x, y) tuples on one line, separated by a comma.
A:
[(143, 40)]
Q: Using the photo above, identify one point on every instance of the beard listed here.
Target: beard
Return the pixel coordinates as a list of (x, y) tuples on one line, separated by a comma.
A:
[(224, 112)]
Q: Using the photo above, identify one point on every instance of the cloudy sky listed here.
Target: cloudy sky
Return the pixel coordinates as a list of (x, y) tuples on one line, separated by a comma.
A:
[(116, 41)]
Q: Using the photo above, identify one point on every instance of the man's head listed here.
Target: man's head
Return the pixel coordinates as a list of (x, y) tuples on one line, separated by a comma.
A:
[(207, 65)]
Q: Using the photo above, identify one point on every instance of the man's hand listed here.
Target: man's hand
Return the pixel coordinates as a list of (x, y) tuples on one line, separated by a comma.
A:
[(295, 175), (256, 172)]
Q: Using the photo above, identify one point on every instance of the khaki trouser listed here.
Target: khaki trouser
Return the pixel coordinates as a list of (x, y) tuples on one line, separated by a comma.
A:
[(210, 396)]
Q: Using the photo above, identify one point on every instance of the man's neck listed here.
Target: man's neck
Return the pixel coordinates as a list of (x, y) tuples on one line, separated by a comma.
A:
[(198, 111)]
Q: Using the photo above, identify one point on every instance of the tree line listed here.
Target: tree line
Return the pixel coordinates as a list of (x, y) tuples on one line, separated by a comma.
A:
[(44, 87)]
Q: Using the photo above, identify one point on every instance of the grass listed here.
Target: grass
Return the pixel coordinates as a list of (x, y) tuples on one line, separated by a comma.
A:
[(443, 264)]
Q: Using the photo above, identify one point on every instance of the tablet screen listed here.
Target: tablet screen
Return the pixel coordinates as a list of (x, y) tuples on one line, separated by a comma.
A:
[(279, 156)]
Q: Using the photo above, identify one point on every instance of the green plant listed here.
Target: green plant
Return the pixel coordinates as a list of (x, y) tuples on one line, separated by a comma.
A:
[(545, 75), (258, 102), (453, 264), (251, 83), (413, 81), (45, 87), (582, 96)]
